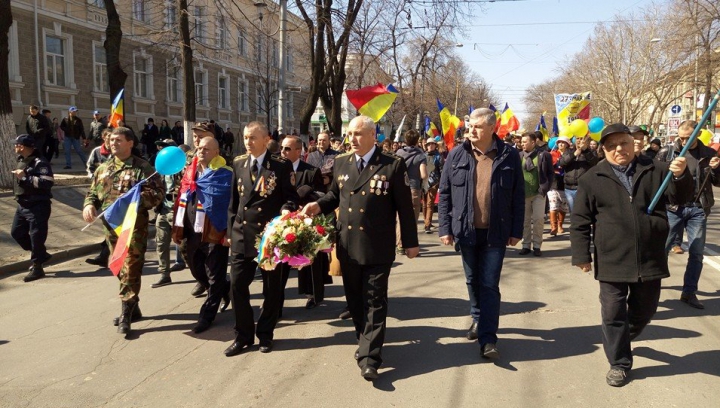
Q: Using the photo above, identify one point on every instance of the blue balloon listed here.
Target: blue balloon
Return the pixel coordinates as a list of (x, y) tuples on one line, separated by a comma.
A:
[(438, 138), (552, 142), (381, 137), (170, 160), (596, 124)]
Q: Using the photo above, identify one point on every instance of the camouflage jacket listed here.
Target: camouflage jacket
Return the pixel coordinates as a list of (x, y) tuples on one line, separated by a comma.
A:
[(115, 177)]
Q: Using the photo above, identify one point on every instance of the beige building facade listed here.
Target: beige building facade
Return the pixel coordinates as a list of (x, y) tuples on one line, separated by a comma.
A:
[(57, 60)]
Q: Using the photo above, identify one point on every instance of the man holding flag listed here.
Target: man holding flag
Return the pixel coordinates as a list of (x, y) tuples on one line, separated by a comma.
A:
[(133, 183)]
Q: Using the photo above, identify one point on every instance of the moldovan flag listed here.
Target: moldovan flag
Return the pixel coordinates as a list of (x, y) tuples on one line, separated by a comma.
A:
[(373, 101), (542, 127), (450, 124), (497, 117), (508, 122), (430, 129), (121, 216), (569, 107), (117, 112)]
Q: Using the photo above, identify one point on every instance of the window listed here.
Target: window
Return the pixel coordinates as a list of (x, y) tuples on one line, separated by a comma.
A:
[(102, 83), (288, 60), (221, 40), (243, 95), (289, 105), (140, 10), (97, 3), (259, 100), (223, 96), (199, 24), (143, 76), (54, 60), (201, 87), (174, 83), (274, 104), (171, 17), (14, 55), (259, 50), (242, 46)]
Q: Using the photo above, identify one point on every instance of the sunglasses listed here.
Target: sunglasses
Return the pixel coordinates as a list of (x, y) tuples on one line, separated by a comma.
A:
[(287, 148)]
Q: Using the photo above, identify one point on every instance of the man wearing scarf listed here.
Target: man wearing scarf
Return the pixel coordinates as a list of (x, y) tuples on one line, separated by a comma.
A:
[(201, 218), (538, 173)]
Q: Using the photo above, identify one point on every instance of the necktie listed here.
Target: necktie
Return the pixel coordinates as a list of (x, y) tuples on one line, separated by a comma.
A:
[(254, 170), (361, 165)]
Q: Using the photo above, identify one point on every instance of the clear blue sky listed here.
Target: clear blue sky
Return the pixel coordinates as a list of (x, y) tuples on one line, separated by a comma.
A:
[(510, 51)]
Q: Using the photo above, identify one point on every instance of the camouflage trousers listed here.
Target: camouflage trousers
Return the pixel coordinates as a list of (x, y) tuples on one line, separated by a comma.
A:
[(132, 267)]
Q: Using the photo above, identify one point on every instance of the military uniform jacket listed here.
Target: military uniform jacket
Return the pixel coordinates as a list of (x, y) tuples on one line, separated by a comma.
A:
[(37, 181), (368, 203), (115, 177), (253, 205), (308, 175)]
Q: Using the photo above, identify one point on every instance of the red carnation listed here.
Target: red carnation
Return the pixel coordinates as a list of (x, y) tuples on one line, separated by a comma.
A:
[(320, 229), (290, 238)]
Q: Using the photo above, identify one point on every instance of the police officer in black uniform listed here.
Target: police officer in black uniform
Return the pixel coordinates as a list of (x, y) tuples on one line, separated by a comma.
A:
[(33, 181), (370, 188), (262, 184)]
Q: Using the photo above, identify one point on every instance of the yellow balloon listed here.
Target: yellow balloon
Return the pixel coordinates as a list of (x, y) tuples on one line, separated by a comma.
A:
[(705, 136), (595, 136), (579, 128)]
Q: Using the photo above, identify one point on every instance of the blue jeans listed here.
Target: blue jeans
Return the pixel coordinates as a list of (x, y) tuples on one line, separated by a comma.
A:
[(694, 221), (73, 143), (483, 264), (570, 197)]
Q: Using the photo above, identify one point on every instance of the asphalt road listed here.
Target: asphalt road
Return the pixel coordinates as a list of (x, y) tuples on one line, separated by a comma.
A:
[(59, 349)]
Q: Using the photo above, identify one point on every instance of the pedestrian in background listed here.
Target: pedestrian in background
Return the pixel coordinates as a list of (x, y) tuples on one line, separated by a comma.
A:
[(538, 175), (575, 164), (629, 260), (557, 202), (416, 164), (38, 127), (33, 182), (435, 163), (74, 136), (164, 222), (483, 180), (97, 125)]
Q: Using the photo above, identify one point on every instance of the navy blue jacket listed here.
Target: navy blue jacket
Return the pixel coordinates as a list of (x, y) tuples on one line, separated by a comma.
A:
[(457, 192)]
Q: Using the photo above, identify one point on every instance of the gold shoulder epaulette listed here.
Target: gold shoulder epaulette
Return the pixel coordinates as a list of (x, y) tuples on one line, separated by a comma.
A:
[(242, 156), (345, 154), (278, 158)]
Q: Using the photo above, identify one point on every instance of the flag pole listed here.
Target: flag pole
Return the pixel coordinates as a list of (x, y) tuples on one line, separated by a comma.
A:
[(684, 150), (123, 195)]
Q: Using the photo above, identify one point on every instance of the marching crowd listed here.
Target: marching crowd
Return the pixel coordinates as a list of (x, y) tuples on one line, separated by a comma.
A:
[(490, 193)]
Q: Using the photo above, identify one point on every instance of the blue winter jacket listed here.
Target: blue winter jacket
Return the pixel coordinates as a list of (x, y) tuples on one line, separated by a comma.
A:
[(457, 192)]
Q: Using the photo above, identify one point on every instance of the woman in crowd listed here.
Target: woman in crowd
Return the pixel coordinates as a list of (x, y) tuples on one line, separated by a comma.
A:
[(556, 196)]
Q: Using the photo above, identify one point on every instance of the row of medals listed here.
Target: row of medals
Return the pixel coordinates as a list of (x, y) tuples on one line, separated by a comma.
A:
[(379, 185)]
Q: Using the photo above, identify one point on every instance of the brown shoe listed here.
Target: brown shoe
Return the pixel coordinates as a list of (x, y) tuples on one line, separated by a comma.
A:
[(560, 221), (677, 249)]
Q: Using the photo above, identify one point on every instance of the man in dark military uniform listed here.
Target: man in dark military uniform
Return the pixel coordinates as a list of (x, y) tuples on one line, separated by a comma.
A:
[(262, 184), (111, 180), (371, 188), (33, 181), (308, 179)]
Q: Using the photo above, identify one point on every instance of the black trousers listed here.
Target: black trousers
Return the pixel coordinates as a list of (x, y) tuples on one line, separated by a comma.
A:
[(312, 279), (366, 289), (208, 265), (626, 309), (30, 228), (242, 272)]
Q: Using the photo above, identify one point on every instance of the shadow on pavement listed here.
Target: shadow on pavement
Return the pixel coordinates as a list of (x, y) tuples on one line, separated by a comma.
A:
[(3, 342), (704, 362)]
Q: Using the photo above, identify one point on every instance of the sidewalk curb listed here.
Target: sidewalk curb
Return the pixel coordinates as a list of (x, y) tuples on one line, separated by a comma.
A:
[(57, 257)]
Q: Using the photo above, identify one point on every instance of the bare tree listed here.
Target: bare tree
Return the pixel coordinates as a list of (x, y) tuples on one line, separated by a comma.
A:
[(7, 125)]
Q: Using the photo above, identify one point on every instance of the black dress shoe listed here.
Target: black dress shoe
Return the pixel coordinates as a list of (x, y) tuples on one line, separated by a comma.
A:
[(198, 290), (345, 314), (369, 373), (490, 351), (201, 326), (310, 304), (36, 272), (266, 346), (537, 252), (177, 267), (524, 251), (225, 303), (236, 348), (690, 299), (472, 333), (98, 261), (164, 281), (44, 259)]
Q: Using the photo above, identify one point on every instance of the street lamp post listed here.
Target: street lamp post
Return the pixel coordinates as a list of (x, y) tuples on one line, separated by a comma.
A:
[(260, 5)]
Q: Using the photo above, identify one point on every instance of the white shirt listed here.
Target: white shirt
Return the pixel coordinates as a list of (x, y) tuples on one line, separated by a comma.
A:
[(367, 156), (296, 163), (260, 159)]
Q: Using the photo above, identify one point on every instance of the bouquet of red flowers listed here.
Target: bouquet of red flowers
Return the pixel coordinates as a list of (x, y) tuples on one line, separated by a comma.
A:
[(295, 239)]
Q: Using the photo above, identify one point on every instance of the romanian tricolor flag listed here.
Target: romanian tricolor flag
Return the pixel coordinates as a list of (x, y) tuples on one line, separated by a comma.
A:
[(121, 216), (430, 129), (117, 112), (450, 124), (497, 117), (542, 127), (373, 101), (508, 122)]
